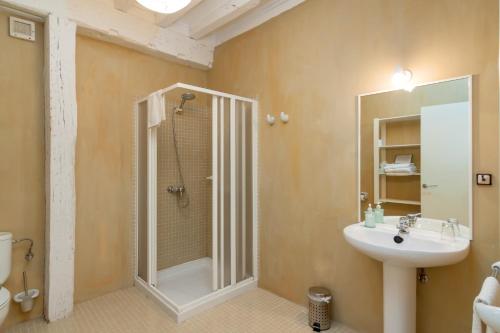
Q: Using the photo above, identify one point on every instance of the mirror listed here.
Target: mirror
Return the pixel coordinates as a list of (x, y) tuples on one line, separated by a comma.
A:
[(415, 151)]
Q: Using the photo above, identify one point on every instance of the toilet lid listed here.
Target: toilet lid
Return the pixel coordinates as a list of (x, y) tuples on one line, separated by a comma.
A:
[(4, 296)]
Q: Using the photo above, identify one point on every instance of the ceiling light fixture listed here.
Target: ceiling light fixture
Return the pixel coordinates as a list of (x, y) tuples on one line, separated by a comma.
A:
[(402, 80), (164, 6)]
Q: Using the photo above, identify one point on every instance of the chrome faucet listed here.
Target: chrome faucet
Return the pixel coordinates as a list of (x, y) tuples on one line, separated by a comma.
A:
[(179, 190), (404, 225), (412, 218)]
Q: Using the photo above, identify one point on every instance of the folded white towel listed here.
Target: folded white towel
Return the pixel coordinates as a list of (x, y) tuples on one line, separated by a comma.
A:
[(399, 168), (398, 165), (156, 109), (489, 295), (402, 171), (389, 167), (490, 292)]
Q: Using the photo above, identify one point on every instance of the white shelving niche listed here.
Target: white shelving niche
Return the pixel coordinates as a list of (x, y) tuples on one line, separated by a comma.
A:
[(380, 152)]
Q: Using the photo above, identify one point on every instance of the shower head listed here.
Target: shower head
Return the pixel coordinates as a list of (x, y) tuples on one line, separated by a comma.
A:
[(185, 97), (188, 96)]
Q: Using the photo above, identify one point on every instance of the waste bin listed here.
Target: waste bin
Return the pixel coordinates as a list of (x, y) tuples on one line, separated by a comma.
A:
[(320, 300)]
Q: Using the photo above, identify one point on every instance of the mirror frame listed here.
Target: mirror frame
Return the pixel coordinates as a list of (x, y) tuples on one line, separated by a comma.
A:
[(469, 79)]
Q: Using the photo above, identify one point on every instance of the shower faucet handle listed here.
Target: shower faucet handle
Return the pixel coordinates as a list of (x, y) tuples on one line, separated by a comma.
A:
[(176, 189)]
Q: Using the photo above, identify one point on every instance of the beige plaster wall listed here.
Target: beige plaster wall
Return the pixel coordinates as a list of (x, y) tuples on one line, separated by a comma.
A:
[(109, 79), (311, 62), (22, 175)]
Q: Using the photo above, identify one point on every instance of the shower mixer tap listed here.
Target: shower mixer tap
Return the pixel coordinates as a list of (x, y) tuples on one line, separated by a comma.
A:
[(176, 190)]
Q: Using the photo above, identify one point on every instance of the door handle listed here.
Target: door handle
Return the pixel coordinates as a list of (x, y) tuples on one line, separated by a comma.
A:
[(429, 186)]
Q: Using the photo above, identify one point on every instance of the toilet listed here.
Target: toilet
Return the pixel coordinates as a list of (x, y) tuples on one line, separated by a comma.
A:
[(5, 266)]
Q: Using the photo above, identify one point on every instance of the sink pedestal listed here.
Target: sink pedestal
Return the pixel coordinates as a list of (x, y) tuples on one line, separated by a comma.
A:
[(421, 248), (400, 299)]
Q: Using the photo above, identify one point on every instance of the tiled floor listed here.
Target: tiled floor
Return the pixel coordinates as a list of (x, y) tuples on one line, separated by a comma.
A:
[(129, 310)]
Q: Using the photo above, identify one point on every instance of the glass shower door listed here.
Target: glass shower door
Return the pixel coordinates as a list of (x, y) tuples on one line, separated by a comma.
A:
[(232, 221)]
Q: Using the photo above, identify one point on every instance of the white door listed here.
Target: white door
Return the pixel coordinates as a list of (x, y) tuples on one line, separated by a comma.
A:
[(445, 161)]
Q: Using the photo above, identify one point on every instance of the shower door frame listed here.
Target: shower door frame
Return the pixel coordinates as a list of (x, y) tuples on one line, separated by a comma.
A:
[(219, 294)]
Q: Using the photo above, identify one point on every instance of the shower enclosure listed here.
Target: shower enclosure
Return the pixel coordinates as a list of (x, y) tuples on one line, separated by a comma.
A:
[(196, 204)]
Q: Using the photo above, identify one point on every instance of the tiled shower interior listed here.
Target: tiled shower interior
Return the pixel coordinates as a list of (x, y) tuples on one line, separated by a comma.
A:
[(184, 237), (184, 233)]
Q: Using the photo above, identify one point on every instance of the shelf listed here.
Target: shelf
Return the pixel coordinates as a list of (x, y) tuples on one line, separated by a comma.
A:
[(400, 118), (396, 174), (411, 145), (384, 148), (404, 202)]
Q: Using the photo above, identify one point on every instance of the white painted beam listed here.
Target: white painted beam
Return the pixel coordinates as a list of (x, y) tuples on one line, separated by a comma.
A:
[(123, 5), (105, 22), (167, 20), (254, 18), (133, 30), (60, 141), (100, 19), (219, 14)]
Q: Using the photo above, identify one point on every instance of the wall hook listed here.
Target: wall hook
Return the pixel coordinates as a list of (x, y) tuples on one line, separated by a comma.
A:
[(284, 117), (270, 119)]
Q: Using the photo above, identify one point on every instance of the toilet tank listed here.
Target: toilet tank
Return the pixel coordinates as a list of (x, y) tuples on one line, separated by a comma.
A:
[(5, 255)]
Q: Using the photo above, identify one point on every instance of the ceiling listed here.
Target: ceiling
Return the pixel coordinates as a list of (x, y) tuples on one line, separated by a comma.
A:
[(189, 36), (211, 21)]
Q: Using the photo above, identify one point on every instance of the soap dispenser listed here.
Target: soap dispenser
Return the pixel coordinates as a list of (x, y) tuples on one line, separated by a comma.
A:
[(370, 217), (379, 214)]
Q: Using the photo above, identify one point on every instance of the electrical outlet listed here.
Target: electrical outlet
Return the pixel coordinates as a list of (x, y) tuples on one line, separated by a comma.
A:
[(483, 178)]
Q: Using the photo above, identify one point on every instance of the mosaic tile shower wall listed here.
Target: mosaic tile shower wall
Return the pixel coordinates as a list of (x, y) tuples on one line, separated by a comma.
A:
[(184, 233)]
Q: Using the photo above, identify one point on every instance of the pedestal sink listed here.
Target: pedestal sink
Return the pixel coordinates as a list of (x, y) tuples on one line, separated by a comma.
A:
[(420, 248)]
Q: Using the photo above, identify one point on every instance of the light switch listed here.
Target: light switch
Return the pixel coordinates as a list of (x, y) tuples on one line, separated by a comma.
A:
[(483, 178)]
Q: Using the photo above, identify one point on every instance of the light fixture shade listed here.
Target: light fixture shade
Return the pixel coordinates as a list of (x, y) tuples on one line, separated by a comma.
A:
[(402, 79), (164, 6)]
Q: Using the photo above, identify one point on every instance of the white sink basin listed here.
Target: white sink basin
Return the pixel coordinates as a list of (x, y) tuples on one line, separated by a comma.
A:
[(420, 248)]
